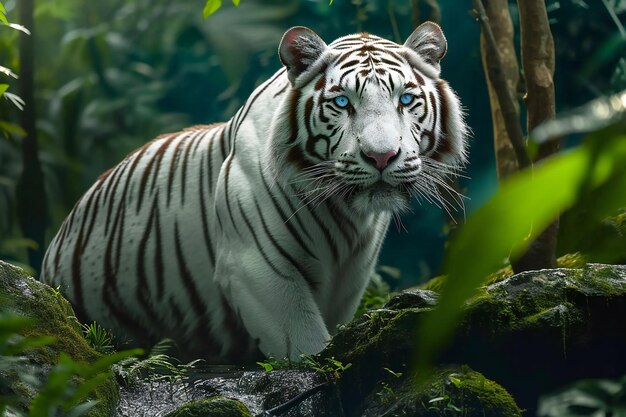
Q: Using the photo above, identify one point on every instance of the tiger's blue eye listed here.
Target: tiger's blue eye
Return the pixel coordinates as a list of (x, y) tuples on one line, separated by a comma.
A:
[(406, 99), (342, 101)]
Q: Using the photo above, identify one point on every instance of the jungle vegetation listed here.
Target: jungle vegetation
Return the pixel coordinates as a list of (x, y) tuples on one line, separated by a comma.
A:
[(84, 83)]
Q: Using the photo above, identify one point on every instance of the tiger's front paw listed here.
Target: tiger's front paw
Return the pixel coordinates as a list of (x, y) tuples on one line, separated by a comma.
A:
[(296, 343)]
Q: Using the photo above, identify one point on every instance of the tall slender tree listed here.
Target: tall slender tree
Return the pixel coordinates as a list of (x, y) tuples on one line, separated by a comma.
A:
[(31, 198), (501, 71)]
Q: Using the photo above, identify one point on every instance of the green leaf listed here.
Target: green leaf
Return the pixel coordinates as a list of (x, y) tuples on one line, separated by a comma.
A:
[(7, 72), (18, 27), (12, 129), (81, 409), (211, 7), (10, 324), (3, 12), (15, 99), (236, 3), (104, 363), (87, 387), (266, 366), (455, 381), (29, 343), (3, 88)]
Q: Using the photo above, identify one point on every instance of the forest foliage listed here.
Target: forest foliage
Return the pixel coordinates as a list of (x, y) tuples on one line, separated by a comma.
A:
[(122, 75), (128, 71), (119, 78)]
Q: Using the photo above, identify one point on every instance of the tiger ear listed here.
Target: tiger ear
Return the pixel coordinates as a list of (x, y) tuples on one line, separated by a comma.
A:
[(299, 48), (429, 42)]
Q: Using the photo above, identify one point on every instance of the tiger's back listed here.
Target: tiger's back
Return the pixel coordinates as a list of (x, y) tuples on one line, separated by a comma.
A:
[(127, 237), (261, 233)]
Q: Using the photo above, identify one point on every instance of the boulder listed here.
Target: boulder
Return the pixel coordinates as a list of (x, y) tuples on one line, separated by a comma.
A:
[(532, 333), (451, 391), (21, 295), (212, 406)]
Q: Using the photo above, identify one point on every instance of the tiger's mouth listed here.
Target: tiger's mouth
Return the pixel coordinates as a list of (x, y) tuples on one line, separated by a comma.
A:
[(382, 196), (382, 187)]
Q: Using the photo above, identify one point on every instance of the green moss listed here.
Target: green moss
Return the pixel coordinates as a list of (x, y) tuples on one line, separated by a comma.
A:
[(601, 279), (435, 284), (451, 392), (213, 407), (476, 395), (572, 260), (499, 275), (22, 295)]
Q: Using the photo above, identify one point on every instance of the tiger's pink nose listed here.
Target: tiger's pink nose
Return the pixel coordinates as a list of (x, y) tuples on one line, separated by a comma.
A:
[(381, 159)]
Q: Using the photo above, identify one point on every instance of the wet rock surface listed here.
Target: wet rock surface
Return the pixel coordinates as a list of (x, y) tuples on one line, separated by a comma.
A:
[(256, 390)]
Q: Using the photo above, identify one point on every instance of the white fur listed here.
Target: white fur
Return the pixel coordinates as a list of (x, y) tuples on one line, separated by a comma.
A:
[(280, 310)]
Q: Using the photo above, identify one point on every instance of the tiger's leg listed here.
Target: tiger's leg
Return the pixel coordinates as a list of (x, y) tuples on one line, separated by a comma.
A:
[(280, 313)]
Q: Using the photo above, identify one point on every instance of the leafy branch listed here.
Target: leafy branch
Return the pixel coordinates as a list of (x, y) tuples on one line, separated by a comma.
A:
[(212, 6)]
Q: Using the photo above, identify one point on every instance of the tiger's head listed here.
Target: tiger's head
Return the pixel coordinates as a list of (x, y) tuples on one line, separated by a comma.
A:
[(367, 120)]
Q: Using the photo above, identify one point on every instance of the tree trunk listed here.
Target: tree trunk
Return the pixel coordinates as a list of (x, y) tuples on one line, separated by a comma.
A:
[(537, 48), (31, 199), (502, 27), (507, 104)]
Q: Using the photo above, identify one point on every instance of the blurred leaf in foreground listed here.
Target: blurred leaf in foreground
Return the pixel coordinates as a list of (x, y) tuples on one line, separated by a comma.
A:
[(525, 204)]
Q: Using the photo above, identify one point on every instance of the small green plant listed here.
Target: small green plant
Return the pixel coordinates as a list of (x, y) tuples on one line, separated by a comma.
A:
[(376, 295), (445, 406), (271, 363), (329, 366), (98, 337), (387, 394), (393, 373), (156, 366), (444, 403)]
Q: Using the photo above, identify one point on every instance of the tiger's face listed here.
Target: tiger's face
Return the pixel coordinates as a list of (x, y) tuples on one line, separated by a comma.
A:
[(368, 121)]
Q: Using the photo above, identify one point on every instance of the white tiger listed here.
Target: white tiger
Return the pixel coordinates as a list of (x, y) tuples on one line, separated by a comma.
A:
[(261, 233)]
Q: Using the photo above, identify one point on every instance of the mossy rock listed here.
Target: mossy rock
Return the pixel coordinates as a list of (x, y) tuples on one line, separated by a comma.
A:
[(571, 260), (532, 333), (451, 391), (213, 407), (22, 295)]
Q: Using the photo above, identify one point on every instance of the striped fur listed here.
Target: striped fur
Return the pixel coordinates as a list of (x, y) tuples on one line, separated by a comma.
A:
[(261, 233)]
